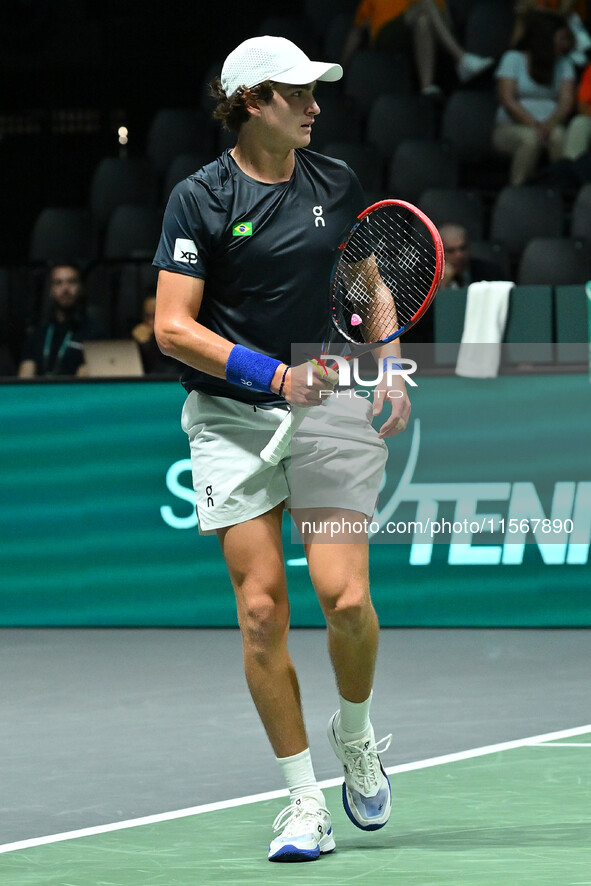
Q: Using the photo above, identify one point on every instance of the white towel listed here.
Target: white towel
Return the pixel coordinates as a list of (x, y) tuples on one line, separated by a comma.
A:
[(484, 324)]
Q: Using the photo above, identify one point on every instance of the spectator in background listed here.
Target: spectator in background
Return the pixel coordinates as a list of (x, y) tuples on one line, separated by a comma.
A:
[(461, 268), (575, 13), (153, 360), (393, 24), (55, 347), (536, 91), (578, 134)]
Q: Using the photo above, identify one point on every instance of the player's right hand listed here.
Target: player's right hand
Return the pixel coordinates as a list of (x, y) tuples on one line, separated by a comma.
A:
[(309, 384)]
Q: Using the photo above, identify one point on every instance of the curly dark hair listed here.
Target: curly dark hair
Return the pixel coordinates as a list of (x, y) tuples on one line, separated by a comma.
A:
[(233, 112)]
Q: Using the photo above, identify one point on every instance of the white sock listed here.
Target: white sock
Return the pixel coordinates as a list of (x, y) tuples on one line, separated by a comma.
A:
[(298, 773), (354, 722)]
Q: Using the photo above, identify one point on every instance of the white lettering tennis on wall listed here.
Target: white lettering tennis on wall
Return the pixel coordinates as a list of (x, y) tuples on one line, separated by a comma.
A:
[(562, 533)]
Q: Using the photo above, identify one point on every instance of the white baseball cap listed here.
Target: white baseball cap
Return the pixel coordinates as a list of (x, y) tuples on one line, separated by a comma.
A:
[(272, 58)]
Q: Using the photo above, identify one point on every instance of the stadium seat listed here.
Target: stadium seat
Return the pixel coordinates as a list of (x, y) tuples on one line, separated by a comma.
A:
[(455, 205), (580, 227), (554, 260), (372, 73), (175, 131), (488, 27), (528, 333), (335, 34), (496, 253), (364, 160), (117, 181), (181, 167), (132, 233), (419, 164), (394, 118), (449, 308), (338, 120), (467, 123), (321, 14), (522, 212), (61, 233), (573, 332), (102, 288)]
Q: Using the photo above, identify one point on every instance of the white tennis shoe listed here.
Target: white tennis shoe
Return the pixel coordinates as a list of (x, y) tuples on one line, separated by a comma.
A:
[(367, 797), (306, 832)]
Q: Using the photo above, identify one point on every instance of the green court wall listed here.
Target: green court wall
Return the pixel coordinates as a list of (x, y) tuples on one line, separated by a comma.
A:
[(97, 524)]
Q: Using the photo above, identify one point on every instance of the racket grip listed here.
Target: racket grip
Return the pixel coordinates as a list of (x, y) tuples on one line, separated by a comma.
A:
[(279, 442)]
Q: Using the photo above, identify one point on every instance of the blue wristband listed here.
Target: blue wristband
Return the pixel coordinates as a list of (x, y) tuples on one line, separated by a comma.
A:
[(250, 369)]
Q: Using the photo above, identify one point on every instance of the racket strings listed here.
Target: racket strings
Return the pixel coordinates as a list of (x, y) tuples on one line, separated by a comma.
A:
[(386, 273)]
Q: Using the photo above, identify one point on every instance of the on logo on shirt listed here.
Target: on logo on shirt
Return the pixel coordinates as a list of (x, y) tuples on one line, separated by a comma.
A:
[(318, 219), (185, 250)]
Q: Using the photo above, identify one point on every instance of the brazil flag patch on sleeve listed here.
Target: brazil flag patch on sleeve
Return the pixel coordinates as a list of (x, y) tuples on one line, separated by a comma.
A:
[(244, 229)]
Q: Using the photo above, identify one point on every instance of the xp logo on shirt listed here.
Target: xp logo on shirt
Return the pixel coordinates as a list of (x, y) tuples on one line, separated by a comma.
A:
[(185, 250), (242, 230)]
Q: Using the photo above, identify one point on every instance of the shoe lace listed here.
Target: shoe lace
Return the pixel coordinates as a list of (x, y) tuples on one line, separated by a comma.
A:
[(292, 817), (363, 762)]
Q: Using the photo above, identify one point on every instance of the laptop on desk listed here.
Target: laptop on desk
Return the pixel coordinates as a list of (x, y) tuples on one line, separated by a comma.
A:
[(117, 357)]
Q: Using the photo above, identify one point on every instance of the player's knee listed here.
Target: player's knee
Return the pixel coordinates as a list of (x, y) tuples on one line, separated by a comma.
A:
[(348, 612), (263, 620)]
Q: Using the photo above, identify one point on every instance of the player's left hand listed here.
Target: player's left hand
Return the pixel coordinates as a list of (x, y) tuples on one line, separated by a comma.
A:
[(397, 399)]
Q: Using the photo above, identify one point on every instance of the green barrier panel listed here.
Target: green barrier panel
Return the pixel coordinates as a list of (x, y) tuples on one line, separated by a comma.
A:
[(97, 525)]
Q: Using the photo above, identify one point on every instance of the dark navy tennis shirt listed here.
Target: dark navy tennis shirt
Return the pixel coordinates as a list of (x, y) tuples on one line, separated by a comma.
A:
[(265, 252)]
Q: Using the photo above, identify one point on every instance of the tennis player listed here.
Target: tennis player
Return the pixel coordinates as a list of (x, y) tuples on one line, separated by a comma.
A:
[(245, 256)]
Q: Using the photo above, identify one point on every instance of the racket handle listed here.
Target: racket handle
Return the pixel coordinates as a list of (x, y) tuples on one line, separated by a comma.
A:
[(279, 442)]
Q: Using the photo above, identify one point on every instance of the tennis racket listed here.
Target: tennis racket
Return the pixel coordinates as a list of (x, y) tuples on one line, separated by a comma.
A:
[(384, 278)]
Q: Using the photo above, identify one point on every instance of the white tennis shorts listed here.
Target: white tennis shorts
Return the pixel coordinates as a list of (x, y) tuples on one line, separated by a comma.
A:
[(336, 459)]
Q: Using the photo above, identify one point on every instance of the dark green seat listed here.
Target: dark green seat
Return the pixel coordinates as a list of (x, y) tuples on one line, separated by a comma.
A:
[(449, 309), (572, 324), (528, 333)]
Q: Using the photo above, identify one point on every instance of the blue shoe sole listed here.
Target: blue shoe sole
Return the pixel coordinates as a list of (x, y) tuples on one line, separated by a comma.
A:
[(292, 853), (351, 816)]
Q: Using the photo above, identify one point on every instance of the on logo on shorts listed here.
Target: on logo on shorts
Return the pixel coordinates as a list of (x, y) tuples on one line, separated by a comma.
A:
[(185, 251)]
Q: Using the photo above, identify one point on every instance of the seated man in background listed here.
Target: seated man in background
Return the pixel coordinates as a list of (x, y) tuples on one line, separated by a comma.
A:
[(153, 360), (461, 268), (55, 346)]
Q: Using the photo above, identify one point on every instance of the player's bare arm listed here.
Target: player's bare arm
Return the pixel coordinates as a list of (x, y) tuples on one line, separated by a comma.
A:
[(180, 335), (379, 320)]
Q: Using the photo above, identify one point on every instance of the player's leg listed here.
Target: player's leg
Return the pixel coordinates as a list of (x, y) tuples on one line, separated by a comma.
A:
[(339, 569), (254, 555)]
